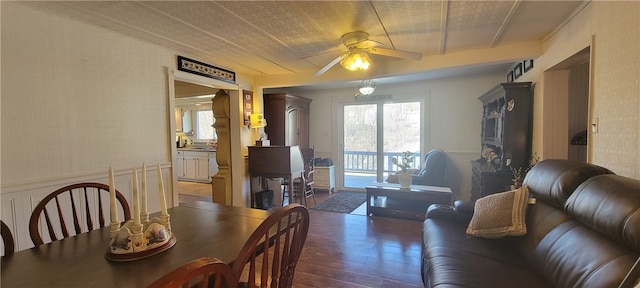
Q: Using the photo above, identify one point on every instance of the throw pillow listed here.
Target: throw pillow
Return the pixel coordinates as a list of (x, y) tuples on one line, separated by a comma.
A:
[(499, 215)]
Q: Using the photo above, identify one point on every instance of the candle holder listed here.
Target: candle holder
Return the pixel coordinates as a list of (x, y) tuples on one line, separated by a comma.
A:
[(140, 237), (132, 242)]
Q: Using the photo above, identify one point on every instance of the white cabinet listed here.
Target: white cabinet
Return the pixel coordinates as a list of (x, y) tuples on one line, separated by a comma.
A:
[(323, 178), (195, 166), (202, 168), (190, 167), (186, 121), (179, 165), (178, 116)]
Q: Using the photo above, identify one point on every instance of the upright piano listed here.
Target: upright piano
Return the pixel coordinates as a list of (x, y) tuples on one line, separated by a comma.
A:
[(275, 162)]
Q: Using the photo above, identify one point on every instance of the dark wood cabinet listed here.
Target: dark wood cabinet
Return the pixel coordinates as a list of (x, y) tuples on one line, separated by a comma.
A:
[(287, 119), (506, 131)]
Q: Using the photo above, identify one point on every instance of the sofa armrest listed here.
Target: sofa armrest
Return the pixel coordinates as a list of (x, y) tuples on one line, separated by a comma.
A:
[(447, 212), (464, 206)]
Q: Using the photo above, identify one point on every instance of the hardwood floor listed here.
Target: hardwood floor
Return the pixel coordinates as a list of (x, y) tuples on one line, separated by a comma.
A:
[(349, 250)]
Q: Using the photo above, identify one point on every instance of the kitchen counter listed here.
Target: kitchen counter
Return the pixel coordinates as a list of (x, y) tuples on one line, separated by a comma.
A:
[(198, 149), (196, 163)]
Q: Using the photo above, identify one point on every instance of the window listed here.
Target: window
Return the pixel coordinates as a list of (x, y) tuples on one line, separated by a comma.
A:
[(204, 125)]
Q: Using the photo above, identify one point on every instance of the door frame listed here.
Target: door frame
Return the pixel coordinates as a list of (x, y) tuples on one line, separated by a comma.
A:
[(339, 126), (235, 129)]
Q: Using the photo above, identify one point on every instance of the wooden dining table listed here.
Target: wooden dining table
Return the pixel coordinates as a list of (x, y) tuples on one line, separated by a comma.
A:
[(202, 229)]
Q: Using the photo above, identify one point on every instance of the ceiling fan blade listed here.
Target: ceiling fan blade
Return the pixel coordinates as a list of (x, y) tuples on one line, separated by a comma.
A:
[(395, 53), (323, 53), (328, 66), (368, 44)]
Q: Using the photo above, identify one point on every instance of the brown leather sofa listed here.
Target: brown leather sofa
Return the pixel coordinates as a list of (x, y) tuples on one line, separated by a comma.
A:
[(583, 231)]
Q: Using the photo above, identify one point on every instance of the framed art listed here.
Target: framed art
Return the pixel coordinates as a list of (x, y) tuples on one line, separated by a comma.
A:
[(510, 77), (203, 69), (527, 65), (517, 71), (247, 100)]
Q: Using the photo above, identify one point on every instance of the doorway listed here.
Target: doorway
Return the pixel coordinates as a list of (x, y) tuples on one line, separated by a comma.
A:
[(566, 108), (374, 134), (228, 191)]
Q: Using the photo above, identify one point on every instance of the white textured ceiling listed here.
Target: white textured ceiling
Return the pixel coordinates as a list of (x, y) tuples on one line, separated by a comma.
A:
[(263, 38)]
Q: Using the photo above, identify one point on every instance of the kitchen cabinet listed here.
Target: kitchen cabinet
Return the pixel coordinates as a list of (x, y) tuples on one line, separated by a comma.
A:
[(183, 120), (288, 119), (177, 113), (195, 165), (190, 167), (179, 165)]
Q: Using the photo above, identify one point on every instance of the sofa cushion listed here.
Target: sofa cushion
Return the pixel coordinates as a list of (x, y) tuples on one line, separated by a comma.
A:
[(609, 204), (553, 180), (452, 258), (499, 215), (594, 243)]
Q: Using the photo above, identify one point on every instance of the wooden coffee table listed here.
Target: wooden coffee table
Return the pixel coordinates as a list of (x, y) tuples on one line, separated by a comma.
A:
[(388, 199)]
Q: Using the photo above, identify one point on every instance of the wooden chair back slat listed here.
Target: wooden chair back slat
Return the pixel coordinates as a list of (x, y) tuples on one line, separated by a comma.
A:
[(7, 239), (101, 214), (51, 231), (199, 273), (87, 210), (60, 224), (270, 255), (76, 220)]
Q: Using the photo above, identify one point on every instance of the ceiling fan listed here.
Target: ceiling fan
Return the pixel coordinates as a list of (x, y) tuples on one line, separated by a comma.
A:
[(356, 57)]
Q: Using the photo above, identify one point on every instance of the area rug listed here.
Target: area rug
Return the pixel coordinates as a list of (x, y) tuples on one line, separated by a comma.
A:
[(342, 202)]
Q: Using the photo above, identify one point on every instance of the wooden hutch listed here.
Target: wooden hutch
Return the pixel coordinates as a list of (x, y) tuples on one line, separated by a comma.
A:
[(506, 130)]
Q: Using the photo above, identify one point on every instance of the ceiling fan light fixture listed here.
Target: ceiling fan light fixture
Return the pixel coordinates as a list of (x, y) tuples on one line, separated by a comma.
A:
[(367, 87), (356, 60)]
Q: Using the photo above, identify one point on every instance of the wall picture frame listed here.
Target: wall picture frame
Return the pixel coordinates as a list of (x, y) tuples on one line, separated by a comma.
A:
[(247, 100), (510, 77), (527, 65), (203, 69), (517, 71)]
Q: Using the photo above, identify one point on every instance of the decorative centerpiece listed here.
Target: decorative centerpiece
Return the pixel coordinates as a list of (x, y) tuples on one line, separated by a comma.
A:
[(140, 237), (489, 155), (404, 178)]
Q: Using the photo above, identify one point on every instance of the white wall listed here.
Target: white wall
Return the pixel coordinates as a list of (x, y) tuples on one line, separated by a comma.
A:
[(452, 119), (77, 99), (612, 29)]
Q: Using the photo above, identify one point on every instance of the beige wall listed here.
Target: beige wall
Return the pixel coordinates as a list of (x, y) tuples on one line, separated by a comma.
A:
[(77, 99), (615, 26)]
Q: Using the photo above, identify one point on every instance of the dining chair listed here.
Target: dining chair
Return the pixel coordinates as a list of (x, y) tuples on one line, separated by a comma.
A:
[(7, 239), (270, 255), (303, 186), (202, 272), (78, 202)]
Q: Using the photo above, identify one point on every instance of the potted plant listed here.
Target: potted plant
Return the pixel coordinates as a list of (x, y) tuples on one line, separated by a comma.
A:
[(519, 174), (404, 178)]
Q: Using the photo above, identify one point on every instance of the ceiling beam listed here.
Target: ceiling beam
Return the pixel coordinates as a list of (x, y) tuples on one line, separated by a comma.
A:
[(444, 19), (505, 23)]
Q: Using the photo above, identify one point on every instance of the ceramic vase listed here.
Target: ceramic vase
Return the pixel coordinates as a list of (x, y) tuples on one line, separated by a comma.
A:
[(404, 178)]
